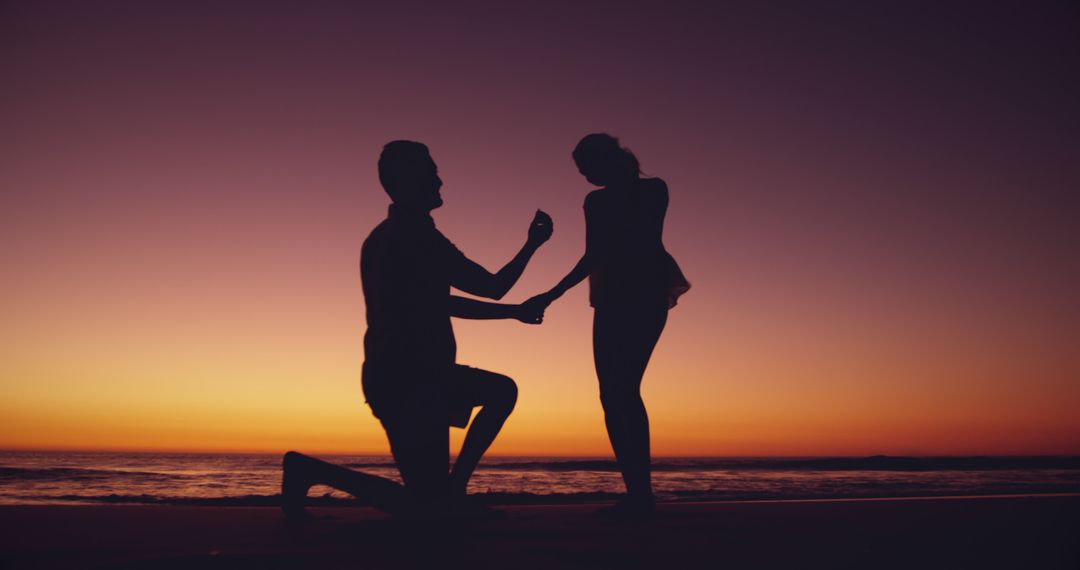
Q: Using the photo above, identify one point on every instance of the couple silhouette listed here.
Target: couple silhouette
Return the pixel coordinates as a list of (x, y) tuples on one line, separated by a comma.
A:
[(411, 378)]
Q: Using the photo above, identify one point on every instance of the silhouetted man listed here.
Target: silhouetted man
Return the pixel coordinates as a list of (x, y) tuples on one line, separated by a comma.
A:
[(410, 378)]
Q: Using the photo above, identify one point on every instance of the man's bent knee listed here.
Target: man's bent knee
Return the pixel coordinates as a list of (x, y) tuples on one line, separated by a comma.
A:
[(502, 393)]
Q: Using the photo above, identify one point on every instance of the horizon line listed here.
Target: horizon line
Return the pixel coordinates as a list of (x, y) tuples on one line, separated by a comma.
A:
[(538, 455)]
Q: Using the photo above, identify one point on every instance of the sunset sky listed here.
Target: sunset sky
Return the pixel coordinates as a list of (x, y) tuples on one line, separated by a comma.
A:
[(877, 208)]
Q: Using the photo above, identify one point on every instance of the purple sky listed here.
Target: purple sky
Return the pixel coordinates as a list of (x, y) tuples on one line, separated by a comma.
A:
[(876, 204)]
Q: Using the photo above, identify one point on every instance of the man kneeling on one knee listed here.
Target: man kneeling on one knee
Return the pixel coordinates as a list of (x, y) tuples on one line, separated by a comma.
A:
[(410, 376)]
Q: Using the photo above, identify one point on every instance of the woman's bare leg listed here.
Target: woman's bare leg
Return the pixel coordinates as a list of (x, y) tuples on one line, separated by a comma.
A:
[(622, 346)]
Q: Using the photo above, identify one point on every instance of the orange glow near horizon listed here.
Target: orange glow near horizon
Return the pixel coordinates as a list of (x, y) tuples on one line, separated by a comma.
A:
[(882, 262)]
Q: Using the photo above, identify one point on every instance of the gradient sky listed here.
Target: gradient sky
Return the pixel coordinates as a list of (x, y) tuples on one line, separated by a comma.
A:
[(876, 205)]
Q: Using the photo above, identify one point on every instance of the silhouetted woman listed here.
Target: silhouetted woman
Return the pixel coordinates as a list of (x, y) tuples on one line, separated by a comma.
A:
[(633, 281)]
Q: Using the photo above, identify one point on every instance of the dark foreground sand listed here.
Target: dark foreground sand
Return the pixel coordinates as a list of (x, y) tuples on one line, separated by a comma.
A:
[(1003, 532)]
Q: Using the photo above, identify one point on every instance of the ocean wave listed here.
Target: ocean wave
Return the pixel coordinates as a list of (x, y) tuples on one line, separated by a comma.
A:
[(898, 463), (77, 474), (254, 480), (529, 498), (871, 463)]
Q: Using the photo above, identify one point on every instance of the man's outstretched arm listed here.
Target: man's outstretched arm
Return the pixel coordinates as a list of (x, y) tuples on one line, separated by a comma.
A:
[(471, 277), (465, 308)]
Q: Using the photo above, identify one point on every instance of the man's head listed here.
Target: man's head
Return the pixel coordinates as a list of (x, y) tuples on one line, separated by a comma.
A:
[(409, 175)]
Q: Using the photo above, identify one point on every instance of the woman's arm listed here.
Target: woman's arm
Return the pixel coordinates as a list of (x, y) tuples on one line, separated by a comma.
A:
[(578, 274), (581, 269)]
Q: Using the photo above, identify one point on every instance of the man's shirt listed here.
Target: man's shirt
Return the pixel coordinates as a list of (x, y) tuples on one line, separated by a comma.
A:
[(407, 267)]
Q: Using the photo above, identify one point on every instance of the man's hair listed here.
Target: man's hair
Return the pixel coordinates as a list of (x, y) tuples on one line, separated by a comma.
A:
[(398, 158)]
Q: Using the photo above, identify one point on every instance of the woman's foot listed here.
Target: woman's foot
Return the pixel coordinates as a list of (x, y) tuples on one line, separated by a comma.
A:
[(631, 507)]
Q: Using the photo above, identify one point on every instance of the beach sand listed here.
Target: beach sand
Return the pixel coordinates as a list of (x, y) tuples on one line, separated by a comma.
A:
[(978, 532)]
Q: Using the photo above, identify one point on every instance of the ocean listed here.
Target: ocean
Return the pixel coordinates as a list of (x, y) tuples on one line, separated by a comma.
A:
[(220, 479)]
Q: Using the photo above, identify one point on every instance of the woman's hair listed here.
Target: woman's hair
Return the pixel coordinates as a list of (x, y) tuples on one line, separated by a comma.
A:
[(600, 156)]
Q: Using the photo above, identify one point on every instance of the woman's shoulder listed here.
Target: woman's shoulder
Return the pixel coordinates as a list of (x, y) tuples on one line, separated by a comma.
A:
[(656, 191), (595, 197), (657, 184)]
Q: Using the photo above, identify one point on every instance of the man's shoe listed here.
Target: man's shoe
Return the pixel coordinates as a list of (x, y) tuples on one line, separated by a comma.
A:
[(294, 487)]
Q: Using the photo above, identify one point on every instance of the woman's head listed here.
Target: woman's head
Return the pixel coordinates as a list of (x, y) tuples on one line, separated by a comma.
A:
[(603, 162)]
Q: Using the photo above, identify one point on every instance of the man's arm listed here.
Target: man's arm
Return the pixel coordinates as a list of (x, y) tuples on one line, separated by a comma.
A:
[(471, 277), (466, 308)]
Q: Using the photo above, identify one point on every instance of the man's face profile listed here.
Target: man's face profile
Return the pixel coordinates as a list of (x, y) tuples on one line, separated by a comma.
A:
[(429, 184)]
